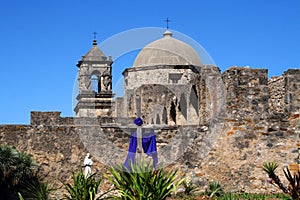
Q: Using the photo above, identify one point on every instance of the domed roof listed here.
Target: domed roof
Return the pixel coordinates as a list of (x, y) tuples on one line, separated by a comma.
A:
[(167, 51)]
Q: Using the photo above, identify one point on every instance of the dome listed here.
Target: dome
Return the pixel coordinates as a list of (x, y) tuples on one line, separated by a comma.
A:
[(167, 51)]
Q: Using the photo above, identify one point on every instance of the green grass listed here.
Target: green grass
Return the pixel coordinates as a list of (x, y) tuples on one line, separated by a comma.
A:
[(235, 196)]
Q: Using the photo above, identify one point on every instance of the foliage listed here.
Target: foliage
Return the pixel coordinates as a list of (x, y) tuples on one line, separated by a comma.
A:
[(35, 189), (270, 169), (214, 189), (15, 168), (141, 181), (189, 187), (20, 196), (294, 180), (237, 196), (294, 186), (84, 188)]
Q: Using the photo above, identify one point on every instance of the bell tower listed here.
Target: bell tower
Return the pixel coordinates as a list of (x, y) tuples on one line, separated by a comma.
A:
[(95, 97)]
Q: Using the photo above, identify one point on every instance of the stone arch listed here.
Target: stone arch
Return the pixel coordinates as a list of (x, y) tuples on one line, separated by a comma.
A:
[(96, 81), (155, 103)]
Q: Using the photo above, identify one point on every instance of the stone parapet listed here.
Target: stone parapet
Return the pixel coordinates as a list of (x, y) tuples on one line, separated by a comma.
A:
[(247, 92), (292, 85), (45, 118), (276, 94)]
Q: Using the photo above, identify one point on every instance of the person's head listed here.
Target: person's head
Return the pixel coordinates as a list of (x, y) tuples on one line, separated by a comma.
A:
[(138, 121)]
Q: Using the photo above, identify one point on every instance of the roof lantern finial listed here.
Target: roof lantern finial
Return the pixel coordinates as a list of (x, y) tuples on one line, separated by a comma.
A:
[(167, 22), (95, 39)]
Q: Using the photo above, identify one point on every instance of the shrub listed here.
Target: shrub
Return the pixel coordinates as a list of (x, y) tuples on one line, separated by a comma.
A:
[(83, 188), (252, 196), (35, 189), (294, 180), (214, 189), (270, 169), (143, 182), (189, 187), (15, 168)]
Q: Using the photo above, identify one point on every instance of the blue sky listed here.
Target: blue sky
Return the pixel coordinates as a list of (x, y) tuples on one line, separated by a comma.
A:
[(41, 41)]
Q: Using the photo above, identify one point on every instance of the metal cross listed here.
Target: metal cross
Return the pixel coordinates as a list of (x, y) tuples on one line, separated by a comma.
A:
[(95, 33), (167, 21)]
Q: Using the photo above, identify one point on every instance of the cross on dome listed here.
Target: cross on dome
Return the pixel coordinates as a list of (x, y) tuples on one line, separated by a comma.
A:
[(167, 22)]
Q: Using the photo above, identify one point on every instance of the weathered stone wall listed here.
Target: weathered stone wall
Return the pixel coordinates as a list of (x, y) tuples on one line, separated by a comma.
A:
[(57, 149), (230, 147), (240, 151), (292, 85), (232, 154), (277, 94), (247, 92), (284, 92), (209, 89), (135, 77)]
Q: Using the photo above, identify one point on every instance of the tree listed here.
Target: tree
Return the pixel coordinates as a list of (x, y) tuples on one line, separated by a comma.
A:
[(15, 168)]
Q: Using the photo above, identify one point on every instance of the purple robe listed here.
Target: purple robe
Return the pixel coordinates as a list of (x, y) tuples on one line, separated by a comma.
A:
[(149, 147)]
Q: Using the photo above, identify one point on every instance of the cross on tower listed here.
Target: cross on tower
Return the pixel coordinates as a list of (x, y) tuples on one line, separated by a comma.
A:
[(167, 21), (95, 33)]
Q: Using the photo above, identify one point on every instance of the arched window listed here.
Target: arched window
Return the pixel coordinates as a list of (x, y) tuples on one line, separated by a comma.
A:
[(95, 83)]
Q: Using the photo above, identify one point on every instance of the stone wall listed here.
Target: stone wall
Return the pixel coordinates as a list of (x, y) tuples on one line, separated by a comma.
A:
[(230, 147), (277, 94), (242, 149), (284, 92), (292, 85), (57, 149), (232, 153), (247, 92), (135, 77)]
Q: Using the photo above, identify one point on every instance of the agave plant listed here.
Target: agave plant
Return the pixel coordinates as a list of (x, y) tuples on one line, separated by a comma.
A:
[(270, 169), (83, 188), (141, 181), (214, 189), (294, 183)]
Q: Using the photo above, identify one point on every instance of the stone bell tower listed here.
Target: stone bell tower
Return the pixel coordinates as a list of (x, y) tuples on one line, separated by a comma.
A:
[(95, 97)]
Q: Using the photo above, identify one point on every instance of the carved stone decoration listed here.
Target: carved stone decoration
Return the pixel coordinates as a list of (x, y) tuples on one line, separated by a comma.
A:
[(106, 80)]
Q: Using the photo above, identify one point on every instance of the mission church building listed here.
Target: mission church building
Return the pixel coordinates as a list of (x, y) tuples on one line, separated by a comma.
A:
[(216, 126), (167, 85)]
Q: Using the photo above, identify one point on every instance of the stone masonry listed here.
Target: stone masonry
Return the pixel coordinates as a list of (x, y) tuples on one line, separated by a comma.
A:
[(259, 123)]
